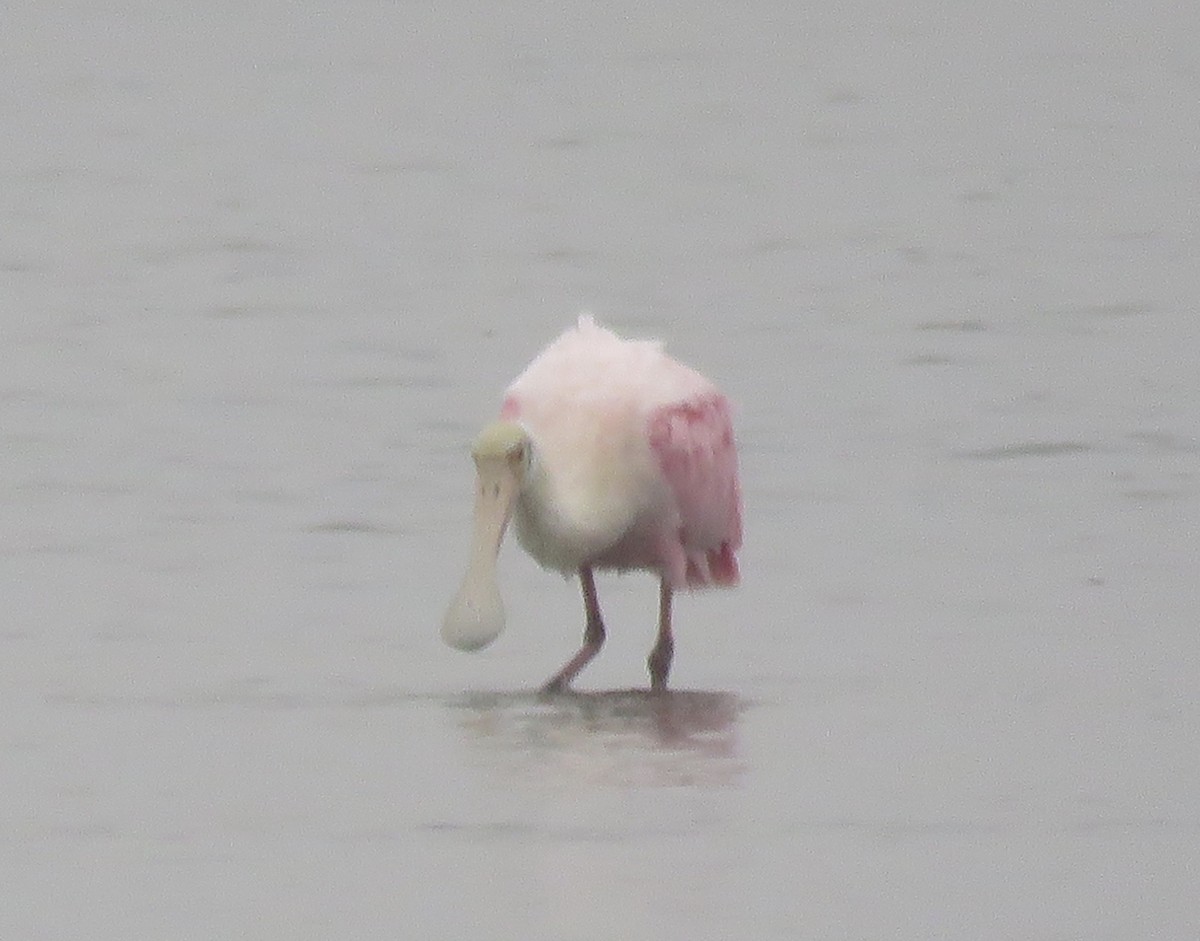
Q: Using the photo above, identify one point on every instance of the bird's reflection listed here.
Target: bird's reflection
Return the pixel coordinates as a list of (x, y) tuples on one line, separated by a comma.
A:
[(624, 737)]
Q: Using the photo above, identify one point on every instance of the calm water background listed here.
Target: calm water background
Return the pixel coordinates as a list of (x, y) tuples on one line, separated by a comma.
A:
[(265, 267)]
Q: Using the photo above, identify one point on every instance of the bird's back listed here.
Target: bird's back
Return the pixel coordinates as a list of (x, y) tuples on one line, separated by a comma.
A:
[(591, 367)]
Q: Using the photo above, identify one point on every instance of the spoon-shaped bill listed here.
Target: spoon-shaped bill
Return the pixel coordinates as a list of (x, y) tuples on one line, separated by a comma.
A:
[(475, 617)]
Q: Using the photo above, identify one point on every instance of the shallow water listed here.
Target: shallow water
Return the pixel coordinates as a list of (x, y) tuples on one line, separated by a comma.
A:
[(265, 270)]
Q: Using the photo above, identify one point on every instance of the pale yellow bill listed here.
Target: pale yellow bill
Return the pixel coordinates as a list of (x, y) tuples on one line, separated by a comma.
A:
[(475, 617)]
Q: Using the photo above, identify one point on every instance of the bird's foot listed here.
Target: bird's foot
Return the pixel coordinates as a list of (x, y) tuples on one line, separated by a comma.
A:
[(659, 664)]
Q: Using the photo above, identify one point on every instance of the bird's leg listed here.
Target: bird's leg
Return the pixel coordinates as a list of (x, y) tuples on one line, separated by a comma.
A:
[(593, 637), (659, 661)]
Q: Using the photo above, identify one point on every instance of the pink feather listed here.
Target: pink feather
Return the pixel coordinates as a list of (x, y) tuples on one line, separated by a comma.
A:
[(693, 441)]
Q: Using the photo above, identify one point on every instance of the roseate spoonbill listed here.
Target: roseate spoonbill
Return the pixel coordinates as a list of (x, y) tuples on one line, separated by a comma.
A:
[(610, 455)]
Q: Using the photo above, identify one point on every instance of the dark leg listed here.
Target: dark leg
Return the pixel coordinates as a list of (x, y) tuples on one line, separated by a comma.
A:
[(664, 648), (593, 637)]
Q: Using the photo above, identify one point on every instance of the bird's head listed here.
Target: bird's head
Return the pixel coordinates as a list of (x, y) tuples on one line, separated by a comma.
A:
[(506, 445)]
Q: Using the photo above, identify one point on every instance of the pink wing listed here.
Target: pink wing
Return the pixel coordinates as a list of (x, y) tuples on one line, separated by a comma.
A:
[(693, 442)]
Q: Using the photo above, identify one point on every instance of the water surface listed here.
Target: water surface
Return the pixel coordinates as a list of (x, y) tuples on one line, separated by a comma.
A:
[(263, 272)]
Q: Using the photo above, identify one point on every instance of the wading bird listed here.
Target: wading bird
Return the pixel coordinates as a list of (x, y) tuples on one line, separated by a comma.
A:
[(609, 455)]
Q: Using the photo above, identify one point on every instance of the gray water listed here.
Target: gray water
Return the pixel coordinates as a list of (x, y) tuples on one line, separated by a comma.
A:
[(266, 267)]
